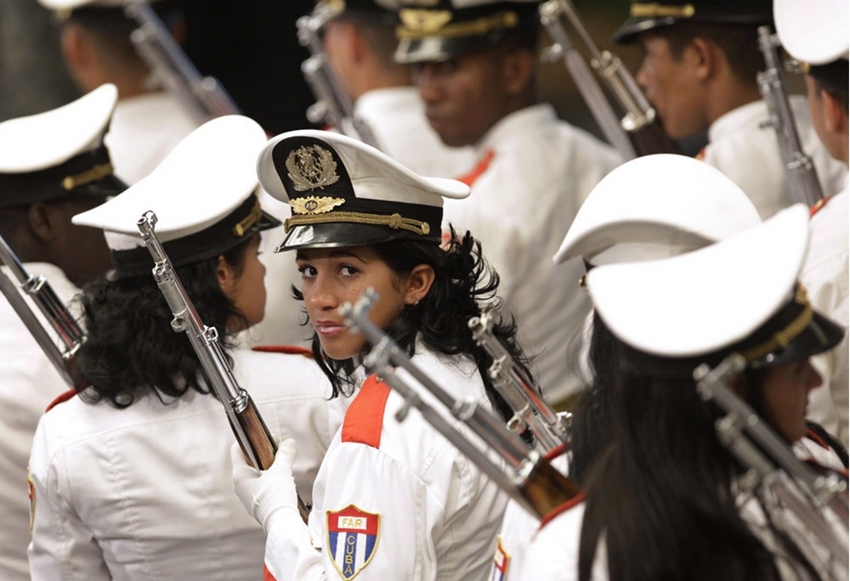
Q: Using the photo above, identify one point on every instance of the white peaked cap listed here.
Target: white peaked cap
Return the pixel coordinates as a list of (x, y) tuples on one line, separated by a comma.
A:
[(373, 174), (656, 206), (37, 142), (207, 176), (343, 192), (708, 299), (813, 31)]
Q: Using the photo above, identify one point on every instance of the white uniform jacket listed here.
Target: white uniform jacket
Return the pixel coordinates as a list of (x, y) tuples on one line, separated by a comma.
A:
[(518, 528), (825, 275), (146, 492), (394, 500), (396, 116), (535, 173), (143, 131), (748, 152), (28, 383)]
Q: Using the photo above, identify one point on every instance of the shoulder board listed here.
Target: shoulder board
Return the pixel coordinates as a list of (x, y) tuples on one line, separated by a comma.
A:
[(64, 396), (573, 502), (287, 349), (817, 206), (364, 418), (479, 169), (556, 452)]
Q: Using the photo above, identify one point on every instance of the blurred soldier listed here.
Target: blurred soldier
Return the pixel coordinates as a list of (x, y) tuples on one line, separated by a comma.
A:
[(816, 35), (699, 71), (96, 45), (52, 166), (475, 65), (360, 43)]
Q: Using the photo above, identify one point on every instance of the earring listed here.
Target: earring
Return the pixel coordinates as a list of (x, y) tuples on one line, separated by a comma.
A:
[(416, 302)]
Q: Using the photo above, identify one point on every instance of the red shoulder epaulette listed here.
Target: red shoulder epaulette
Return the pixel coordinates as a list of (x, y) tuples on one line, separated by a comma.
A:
[(817, 206), (574, 501), (364, 419), (556, 452), (288, 349), (479, 169), (815, 437), (64, 396)]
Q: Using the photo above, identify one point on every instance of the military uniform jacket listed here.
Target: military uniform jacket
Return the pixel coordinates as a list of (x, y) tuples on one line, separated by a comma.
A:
[(146, 492), (394, 500), (825, 275), (747, 152), (143, 131), (396, 116), (29, 383), (535, 173), (518, 528)]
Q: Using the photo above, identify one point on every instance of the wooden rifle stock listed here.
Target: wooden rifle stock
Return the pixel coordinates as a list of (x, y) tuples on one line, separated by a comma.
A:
[(263, 446), (545, 488)]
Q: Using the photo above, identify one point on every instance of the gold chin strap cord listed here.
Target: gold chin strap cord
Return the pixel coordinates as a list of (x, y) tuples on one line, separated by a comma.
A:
[(92, 175), (245, 224), (662, 11), (784, 336), (394, 221)]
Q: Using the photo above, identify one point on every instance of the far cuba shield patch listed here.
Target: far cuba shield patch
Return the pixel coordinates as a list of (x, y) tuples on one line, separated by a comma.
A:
[(352, 539)]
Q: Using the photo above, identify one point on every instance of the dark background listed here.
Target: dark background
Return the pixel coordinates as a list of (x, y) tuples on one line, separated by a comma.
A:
[(251, 47)]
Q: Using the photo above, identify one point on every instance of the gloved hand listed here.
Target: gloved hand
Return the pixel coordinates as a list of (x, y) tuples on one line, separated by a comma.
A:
[(266, 493)]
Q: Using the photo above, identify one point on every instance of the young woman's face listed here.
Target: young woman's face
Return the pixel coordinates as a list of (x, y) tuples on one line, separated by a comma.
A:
[(247, 289), (785, 393), (333, 276)]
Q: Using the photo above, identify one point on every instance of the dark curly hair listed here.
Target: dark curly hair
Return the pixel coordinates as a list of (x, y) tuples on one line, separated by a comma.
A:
[(131, 349), (463, 284)]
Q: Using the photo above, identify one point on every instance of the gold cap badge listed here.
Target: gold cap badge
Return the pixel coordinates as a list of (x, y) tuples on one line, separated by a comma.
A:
[(311, 167), (314, 205)]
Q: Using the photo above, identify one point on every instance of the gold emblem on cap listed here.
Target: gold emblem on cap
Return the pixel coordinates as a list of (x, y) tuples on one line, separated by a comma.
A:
[(424, 21), (314, 205), (311, 167), (662, 10)]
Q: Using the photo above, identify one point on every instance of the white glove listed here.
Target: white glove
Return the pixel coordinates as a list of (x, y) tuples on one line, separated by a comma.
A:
[(269, 492)]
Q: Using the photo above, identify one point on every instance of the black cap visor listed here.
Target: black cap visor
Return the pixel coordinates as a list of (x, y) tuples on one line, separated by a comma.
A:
[(342, 234), (630, 30), (437, 48)]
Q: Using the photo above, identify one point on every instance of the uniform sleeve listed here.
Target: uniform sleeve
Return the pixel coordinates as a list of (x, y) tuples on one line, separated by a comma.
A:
[(62, 547), (373, 523)]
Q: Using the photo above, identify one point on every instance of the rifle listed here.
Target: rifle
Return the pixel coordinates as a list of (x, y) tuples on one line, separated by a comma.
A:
[(529, 479), (55, 312), (530, 409), (761, 451), (640, 124), (798, 166), (204, 96), (245, 420), (333, 106)]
